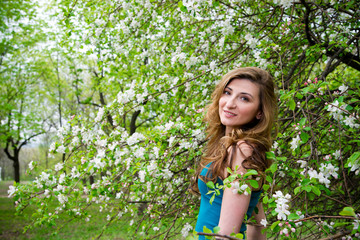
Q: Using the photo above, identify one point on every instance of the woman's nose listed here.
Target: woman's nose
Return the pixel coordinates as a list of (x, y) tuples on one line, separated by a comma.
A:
[(230, 103)]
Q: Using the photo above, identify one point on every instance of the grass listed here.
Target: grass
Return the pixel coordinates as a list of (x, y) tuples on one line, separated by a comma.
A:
[(11, 226)]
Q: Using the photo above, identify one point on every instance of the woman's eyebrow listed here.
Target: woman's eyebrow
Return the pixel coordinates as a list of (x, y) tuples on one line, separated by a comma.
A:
[(247, 94)]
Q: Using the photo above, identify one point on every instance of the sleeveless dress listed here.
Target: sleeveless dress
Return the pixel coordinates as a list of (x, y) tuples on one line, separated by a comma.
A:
[(209, 215)]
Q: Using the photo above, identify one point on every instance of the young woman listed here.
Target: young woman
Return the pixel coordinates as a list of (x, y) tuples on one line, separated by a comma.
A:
[(240, 119)]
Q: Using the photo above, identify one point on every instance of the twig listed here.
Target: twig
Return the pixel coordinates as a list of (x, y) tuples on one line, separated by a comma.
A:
[(323, 216), (218, 235)]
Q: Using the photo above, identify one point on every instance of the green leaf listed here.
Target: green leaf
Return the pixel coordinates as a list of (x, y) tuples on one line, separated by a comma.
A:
[(239, 235), (273, 167), (304, 137), (353, 158), (274, 225), (266, 187), (212, 199), (306, 181), (292, 105), (297, 190), (293, 216), (302, 122), (270, 155), (307, 188), (299, 95), (254, 183), (250, 173), (316, 190), (347, 211), (268, 178), (184, 9), (206, 230), (216, 3), (210, 184), (265, 199), (216, 229)]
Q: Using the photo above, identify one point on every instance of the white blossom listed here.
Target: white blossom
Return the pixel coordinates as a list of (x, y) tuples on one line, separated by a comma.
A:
[(52, 147), (97, 162), (336, 110), (75, 173), (62, 198), (118, 195), (281, 205), (11, 191), (212, 65), (44, 176), (284, 3), (61, 149), (156, 151), (295, 142), (134, 138), (46, 192), (169, 125), (99, 115), (142, 175), (302, 163), (350, 121), (101, 142), (186, 229), (227, 28), (343, 88), (62, 178), (337, 154), (263, 222), (356, 224), (140, 152), (171, 140), (31, 165), (167, 173), (59, 166), (152, 166)]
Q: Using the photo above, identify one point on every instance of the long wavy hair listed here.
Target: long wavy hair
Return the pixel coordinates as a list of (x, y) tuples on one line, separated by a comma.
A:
[(256, 134)]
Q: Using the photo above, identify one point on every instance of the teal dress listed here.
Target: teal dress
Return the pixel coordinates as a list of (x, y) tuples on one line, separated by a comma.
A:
[(209, 215)]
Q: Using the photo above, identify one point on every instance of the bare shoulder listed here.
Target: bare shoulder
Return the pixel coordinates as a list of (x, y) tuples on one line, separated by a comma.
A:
[(238, 153), (245, 149)]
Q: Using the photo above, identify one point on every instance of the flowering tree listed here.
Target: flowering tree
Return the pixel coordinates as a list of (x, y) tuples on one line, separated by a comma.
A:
[(156, 64), (21, 114)]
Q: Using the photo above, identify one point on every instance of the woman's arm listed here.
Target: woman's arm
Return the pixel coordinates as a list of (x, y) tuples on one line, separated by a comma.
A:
[(254, 232), (233, 210), (234, 206)]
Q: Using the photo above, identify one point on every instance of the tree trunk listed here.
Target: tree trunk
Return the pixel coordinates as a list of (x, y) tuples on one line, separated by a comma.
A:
[(16, 169), (15, 159)]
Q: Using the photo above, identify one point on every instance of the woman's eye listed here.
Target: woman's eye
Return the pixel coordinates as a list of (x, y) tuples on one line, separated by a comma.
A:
[(226, 92), (244, 99)]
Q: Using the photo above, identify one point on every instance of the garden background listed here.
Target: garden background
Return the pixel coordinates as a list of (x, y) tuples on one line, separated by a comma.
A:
[(102, 102)]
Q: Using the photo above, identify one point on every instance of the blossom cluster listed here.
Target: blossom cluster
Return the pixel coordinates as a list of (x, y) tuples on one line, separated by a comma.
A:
[(326, 170), (282, 207), (186, 229), (338, 111), (286, 229)]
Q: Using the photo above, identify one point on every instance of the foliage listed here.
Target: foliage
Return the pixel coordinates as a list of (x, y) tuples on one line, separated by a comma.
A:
[(156, 62)]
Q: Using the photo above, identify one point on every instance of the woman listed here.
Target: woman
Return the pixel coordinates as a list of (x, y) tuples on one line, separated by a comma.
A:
[(240, 119)]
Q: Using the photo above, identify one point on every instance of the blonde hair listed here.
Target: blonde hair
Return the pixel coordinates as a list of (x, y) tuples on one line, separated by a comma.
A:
[(256, 134)]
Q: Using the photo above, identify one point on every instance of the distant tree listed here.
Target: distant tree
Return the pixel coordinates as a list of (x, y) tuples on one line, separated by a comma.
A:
[(22, 117)]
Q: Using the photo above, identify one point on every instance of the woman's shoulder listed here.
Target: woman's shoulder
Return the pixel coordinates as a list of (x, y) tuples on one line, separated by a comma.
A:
[(245, 148)]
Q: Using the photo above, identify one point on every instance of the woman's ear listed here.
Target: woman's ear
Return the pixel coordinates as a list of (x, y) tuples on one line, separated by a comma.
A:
[(259, 115)]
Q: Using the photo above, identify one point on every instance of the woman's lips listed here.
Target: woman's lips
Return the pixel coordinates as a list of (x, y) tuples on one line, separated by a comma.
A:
[(229, 114)]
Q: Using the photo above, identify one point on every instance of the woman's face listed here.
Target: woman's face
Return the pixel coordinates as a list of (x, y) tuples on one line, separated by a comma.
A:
[(239, 104)]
